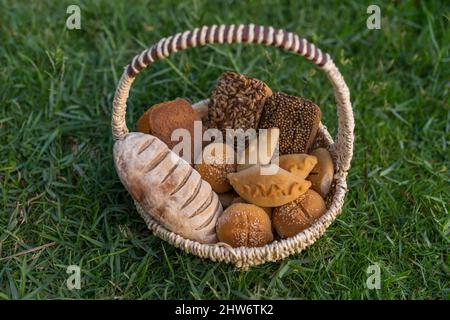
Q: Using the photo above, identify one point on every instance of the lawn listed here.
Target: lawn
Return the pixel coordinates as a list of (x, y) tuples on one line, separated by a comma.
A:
[(62, 202)]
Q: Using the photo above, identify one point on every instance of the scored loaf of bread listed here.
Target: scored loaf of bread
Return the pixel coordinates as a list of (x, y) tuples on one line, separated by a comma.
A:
[(167, 187)]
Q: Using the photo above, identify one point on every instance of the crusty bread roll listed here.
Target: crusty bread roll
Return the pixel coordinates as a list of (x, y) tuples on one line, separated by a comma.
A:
[(244, 225), (299, 214), (162, 119), (167, 187)]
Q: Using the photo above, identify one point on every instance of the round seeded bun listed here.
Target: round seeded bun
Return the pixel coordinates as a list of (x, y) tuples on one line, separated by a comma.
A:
[(268, 210), (299, 214), (244, 225)]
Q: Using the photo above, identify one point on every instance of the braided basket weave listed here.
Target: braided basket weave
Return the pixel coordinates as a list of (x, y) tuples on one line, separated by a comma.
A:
[(341, 149)]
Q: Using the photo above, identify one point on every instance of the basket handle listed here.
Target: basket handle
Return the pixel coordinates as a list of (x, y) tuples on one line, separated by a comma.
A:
[(243, 34)]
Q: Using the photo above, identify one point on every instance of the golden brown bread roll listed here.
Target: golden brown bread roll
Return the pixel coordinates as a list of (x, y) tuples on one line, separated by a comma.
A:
[(244, 225), (299, 164), (218, 161), (296, 216), (268, 186), (321, 176), (268, 210), (162, 119)]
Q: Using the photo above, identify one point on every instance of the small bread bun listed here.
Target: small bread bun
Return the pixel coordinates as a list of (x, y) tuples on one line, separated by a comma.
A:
[(218, 161), (298, 215), (321, 176), (162, 119), (244, 225), (268, 210)]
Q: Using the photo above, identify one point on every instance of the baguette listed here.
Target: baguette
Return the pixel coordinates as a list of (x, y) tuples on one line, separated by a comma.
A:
[(167, 187)]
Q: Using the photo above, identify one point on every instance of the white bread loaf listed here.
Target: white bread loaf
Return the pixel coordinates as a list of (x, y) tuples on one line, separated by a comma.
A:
[(167, 187)]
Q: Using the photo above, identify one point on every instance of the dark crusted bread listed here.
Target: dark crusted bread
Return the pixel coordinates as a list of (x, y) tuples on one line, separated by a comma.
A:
[(298, 120)]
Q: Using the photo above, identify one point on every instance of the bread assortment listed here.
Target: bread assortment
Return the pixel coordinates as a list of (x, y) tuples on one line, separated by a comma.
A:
[(273, 188)]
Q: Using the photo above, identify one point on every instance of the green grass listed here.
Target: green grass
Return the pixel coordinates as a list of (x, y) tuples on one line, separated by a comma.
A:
[(59, 186)]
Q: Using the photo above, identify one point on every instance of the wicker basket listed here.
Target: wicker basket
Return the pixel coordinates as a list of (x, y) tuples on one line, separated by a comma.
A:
[(341, 149)]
